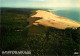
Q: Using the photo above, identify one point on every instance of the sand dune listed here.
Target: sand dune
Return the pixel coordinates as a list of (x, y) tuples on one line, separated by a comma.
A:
[(49, 19)]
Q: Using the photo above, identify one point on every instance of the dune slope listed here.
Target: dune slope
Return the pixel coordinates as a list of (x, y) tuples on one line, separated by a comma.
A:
[(49, 19)]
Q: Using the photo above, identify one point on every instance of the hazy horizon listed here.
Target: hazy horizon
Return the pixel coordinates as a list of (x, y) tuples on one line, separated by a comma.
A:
[(40, 3)]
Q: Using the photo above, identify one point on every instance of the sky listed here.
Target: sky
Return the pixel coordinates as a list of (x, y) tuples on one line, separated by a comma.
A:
[(40, 3)]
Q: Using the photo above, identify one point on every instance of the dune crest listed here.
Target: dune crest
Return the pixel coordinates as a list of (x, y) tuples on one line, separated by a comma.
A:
[(49, 19)]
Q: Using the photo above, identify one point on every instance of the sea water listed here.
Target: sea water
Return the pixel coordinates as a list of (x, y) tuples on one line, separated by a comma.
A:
[(72, 13)]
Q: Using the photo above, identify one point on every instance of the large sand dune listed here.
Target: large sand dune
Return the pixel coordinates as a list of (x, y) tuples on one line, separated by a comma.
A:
[(49, 19)]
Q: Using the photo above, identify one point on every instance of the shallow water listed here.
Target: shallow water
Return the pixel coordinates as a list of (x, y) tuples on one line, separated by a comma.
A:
[(73, 14)]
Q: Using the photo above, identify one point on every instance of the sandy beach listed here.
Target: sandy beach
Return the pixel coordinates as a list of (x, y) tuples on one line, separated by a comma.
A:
[(49, 19)]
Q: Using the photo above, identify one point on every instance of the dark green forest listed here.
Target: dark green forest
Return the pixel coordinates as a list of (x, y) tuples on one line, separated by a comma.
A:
[(51, 42)]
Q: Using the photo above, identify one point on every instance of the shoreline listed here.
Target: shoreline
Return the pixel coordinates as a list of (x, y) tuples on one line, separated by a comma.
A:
[(49, 19)]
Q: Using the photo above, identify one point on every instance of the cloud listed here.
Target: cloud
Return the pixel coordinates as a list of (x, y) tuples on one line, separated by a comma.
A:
[(78, 4), (41, 3), (62, 3)]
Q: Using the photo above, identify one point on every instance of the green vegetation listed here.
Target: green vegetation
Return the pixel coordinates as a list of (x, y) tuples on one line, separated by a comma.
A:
[(51, 42)]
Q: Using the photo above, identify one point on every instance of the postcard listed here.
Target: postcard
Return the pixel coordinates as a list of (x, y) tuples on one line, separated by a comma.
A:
[(40, 27)]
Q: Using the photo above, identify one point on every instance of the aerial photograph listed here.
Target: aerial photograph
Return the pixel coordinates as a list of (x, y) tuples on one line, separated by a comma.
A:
[(39, 27)]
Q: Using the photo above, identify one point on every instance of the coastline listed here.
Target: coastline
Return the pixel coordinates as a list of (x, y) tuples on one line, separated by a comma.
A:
[(49, 19)]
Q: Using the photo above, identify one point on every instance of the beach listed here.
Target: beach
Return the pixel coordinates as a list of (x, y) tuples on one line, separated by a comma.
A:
[(49, 19)]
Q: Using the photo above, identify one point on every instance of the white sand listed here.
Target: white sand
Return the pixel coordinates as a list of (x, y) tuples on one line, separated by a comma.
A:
[(49, 19)]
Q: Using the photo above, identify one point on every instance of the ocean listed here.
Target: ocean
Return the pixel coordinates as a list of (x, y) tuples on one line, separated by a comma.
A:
[(73, 13)]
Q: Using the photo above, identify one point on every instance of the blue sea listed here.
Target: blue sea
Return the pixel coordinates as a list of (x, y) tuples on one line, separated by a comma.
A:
[(71, 13)]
